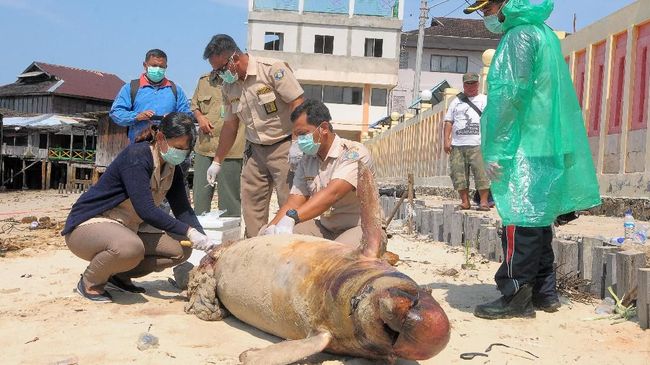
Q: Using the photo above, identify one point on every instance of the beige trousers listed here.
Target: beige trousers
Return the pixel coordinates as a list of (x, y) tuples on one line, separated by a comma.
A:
[(113, 249), (315, 228), (265, 167)]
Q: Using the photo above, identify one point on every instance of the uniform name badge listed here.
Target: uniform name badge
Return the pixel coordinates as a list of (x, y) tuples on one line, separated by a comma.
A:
[(270, 107)]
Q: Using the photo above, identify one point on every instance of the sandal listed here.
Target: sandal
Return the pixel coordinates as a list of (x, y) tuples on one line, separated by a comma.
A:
[(462, 207), (125, 286), (484, 208), (105, 297)]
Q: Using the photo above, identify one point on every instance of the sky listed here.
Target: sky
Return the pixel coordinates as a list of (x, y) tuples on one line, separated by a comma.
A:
[(113, 36)]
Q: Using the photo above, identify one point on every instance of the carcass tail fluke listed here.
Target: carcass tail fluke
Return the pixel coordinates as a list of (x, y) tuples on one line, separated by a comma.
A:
[(373, 241)]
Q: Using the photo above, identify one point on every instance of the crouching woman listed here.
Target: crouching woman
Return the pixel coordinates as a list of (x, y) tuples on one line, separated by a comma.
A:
[(104, 224)]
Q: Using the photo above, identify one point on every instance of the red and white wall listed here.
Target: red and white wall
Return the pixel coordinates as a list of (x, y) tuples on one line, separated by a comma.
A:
[(610, 65)]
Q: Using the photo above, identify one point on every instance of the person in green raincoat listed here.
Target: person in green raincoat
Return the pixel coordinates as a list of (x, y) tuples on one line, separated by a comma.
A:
[(536, 152)]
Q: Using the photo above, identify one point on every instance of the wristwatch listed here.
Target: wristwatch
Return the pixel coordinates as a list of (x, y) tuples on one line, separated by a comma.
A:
[(293, 214)]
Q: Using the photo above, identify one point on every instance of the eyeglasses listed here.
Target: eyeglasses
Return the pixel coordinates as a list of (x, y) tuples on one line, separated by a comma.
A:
[(225, 66)]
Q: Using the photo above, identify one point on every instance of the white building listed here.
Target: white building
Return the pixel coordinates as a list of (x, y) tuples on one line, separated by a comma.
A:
[(343, 52), (452, 47)]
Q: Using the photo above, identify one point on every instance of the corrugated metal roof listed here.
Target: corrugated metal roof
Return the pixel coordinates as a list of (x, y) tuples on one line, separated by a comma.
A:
[(65, 80), (48, 121)]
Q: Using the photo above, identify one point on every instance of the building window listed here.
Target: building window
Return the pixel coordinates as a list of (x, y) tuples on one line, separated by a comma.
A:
[(374, 47), (453, 64), (343, 95), (273, 41), (379, 97), (324, 44), (313, 92), (403, 59)]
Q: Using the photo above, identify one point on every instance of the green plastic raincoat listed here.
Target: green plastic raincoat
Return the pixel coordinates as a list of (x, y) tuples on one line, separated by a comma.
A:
[(532, 128)]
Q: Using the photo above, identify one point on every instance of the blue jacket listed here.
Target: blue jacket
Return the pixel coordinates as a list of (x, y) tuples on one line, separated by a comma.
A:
[(159, 98), (129, 177)]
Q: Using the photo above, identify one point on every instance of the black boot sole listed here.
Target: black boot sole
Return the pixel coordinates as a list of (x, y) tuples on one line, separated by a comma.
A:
[(550, 308)]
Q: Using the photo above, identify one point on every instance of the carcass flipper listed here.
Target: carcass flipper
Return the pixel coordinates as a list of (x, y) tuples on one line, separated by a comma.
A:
[(287, 352)]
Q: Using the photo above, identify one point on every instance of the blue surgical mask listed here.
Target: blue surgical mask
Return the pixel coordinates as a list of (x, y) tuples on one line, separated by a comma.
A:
[(307, 145), (155, 74), (228, 77), (493, 24), (174, 156)]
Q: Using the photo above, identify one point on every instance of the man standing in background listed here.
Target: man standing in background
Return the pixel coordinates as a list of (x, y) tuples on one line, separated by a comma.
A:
[(463, 141), (207, 106)]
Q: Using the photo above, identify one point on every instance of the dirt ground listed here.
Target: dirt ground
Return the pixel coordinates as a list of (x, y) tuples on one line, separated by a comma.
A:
[(43, 321)]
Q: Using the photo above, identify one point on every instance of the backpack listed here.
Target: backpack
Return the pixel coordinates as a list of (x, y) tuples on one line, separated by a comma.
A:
[(135, 86)]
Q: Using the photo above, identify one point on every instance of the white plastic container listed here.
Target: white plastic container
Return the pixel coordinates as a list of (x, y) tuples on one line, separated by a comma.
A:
[(219, 230)]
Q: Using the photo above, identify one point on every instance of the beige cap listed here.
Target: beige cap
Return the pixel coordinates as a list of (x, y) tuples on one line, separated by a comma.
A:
[(470, 77)]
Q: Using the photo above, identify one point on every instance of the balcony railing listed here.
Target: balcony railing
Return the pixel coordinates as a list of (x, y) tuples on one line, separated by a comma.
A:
[(65, 154), (381, 8), (24, 151)]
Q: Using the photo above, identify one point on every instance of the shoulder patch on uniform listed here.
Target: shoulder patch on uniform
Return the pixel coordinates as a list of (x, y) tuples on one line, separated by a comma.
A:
[(279, 74), (351, 154)]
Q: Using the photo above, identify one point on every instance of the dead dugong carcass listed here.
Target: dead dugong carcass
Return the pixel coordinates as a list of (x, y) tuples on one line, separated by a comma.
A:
[(321, 295)]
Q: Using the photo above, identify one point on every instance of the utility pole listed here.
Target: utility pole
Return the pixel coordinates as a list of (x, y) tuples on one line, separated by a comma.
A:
[(424, 15)]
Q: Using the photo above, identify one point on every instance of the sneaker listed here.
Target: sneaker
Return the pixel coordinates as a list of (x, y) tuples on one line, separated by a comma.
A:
[(519, 305), (105, 297), (548, 305), (122, 285)]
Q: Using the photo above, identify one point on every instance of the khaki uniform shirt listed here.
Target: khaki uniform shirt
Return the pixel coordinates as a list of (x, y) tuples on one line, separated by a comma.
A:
[(313, 175), (261, 101), (208, 100), (161, 181)]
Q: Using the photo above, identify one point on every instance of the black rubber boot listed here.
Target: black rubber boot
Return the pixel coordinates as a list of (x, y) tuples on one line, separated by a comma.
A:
[(518, 305), (549, 305)]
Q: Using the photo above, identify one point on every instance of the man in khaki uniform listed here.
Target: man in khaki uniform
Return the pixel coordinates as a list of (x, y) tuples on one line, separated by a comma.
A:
[(261, 94), (207, 106), (325, 181)]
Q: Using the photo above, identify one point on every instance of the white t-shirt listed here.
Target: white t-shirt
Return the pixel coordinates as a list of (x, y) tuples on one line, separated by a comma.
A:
[(466, 123)]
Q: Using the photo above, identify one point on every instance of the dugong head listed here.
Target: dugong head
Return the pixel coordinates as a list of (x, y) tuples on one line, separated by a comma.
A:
[(401, 319)]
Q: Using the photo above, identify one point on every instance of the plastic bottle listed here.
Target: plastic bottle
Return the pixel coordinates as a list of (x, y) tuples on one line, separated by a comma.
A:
[(618, 241), (147, 341), (641, 235), (628, 225)]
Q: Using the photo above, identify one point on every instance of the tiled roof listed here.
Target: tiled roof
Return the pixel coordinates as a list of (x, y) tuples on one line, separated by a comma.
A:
[(66, 80), (457, 27)]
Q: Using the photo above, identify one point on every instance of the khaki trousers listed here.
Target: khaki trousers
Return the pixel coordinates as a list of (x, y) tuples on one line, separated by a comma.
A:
[(265, 167), (315, 228), (113, 249)]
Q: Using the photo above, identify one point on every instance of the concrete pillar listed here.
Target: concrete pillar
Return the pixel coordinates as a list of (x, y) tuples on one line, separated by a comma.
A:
[(487, 61), (627, 265)]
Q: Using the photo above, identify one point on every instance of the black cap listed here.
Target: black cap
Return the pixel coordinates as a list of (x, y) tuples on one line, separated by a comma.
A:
[(479, 4)]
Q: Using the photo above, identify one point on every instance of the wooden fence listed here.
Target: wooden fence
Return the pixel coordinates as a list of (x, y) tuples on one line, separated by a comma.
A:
[(414, 146)]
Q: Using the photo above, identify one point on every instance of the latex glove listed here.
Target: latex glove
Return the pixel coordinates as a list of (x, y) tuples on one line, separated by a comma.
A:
[(213, 171), (285, 225), (199, 240), (270, 230), (295, 154), (493, 170)]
